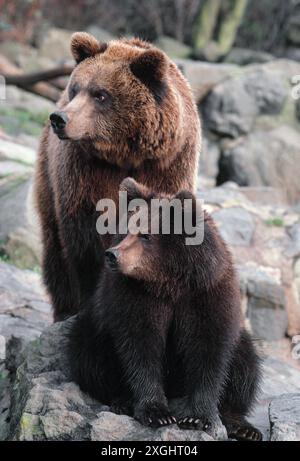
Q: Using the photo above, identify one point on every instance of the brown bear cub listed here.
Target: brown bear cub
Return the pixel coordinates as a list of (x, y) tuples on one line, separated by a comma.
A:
[(127, 111), (165, 322)]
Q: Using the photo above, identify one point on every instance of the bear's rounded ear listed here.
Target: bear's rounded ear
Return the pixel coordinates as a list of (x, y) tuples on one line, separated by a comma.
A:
[(185, 195), (150, 67), (84, 45), (133, 188)]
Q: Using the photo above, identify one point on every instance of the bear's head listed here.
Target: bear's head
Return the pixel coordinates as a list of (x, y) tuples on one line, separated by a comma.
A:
[(171, 243), (122, 99)]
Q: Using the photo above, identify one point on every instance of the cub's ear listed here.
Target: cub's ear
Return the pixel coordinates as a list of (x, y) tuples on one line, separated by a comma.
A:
[(84, 45), (133, 189), (185, 194), (150, 67)]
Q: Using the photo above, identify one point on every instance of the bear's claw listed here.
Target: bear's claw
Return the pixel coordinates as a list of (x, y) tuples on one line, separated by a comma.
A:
[(155, 416), (193, 423), (246, 433)]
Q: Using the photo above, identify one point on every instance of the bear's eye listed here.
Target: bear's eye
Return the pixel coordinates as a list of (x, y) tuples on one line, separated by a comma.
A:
[(100, 96), (146, 237), (73, 90)]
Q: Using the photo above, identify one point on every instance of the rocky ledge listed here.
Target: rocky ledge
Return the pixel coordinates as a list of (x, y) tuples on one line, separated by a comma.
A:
[(38, 400)]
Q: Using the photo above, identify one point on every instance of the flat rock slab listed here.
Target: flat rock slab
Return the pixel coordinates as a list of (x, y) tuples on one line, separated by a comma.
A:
[(284, 414), (47, 405)]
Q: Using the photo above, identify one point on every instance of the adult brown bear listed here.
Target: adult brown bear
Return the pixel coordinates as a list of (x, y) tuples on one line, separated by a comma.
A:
[(127, 110)]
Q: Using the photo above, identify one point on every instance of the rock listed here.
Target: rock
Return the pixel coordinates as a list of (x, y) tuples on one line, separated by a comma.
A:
[(245, 56), (232, 107), (284, 414), (203, 76), (55, 44), (248, 162), (229, 110), (173, 48), (46, 405), (19, 226), (293, 33), (24, 307), (17, 52), (100, 34), (209, 159), (265, 305), (236, 225), (16, 98), (12, 151)]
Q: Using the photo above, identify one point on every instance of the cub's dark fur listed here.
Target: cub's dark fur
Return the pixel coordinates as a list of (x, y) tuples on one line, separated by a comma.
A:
[(165, 322)]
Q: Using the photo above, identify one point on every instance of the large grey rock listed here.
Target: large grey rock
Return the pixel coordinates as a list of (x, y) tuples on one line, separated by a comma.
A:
[(236, 225), (264, 159), (232, 107), (265, 302), (284, 413), (173, 48), (100, 34), (24, 307), (244, 56), (55, 44), (46, 405), (203, 76), (16, 98)]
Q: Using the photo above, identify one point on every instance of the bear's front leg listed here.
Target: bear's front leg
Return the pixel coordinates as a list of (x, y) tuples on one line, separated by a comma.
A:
[(142, 350)]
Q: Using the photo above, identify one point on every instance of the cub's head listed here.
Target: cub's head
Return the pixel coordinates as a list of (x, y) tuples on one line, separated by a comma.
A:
[(120, 100), (156, 248)]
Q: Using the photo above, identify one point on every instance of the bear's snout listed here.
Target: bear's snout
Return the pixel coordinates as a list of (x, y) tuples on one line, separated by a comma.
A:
[(111, 257), (58, 121)]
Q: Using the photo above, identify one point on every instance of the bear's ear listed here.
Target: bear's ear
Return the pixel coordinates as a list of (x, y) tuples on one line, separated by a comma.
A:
[(150, 67), (185, 194), (133, 189), (84, 45)]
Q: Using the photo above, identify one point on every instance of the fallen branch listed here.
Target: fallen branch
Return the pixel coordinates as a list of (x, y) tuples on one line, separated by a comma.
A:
[(44, 75), (36, 82)]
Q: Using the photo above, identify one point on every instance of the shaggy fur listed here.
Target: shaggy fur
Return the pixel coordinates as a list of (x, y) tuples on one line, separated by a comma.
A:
[(128, 110), (165, 322)]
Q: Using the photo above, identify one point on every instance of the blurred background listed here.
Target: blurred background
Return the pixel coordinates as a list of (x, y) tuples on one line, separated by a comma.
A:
[(242, 59)]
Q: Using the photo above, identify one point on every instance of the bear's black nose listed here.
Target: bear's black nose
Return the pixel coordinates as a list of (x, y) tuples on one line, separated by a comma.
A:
[(111, 256), (58, 120)]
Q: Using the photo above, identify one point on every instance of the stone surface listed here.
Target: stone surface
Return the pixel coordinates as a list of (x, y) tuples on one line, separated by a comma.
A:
[(24, 307), (46, 405), (235, 224), (264, 158), (265, 301), (204, 76), (284, 414), (232, 106), (243, 56), (55, 44), (173, 48)]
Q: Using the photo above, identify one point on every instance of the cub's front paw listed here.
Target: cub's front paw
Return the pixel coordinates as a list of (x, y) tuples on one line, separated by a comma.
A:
[(195, 423), (154, 415)]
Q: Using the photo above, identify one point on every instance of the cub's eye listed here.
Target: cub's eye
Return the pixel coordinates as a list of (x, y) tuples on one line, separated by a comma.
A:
[(146, 237)]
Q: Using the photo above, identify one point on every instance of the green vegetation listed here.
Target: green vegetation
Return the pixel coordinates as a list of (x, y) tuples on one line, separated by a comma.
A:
[(277, 222), (16, 121)]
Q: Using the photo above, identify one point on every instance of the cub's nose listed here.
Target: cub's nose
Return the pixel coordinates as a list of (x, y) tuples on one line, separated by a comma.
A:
[(58, 120), (111, 256)]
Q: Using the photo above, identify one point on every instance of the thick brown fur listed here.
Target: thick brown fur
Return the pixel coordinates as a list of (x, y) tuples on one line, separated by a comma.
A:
[(165, 322), (128, 110)]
